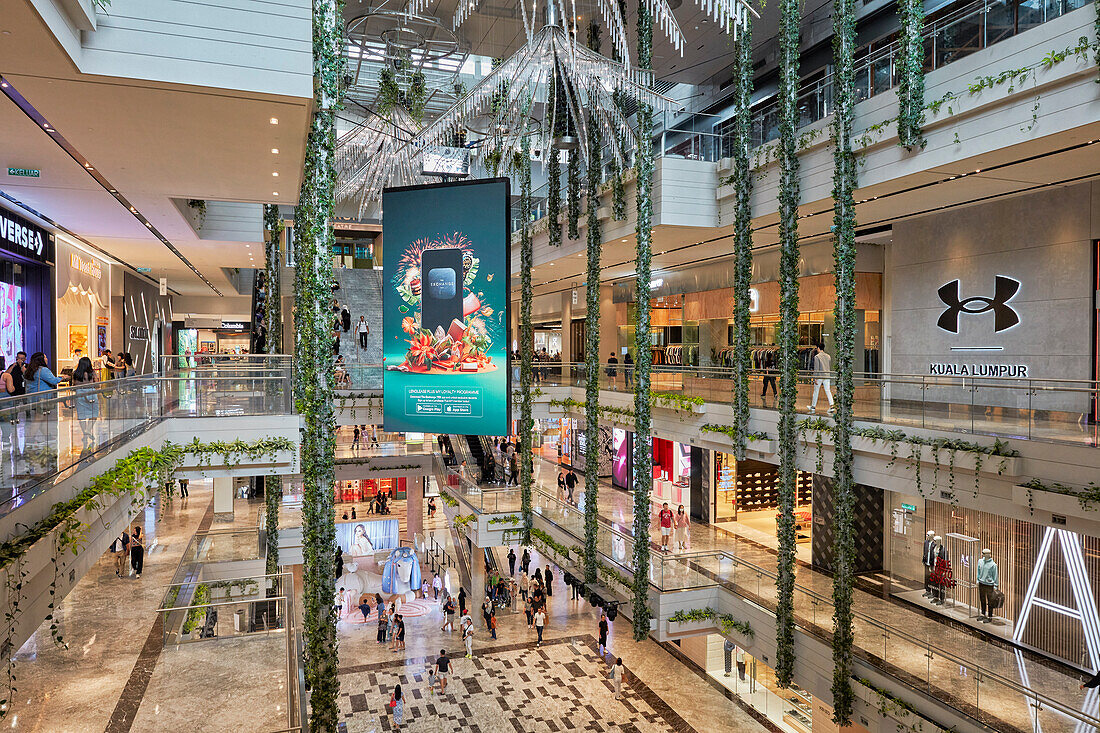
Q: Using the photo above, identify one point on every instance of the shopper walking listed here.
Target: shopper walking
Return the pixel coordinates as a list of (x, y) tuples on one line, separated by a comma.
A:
[(549, 582), (529, 612), (87, 404), (462, 601), (437, 585), (540, 621), (664, 519), (682, 522), (493, 623), (442, 670), (363, 329), (769, 363), (39, 378), (618, 673), (383, 621), (570, 485), (364, 608), (137, 551), (486, 610), (823, 363), (397, 707), (400, 640), (603, 634), (468, 639), (525, 561), (449, 614), (355, 437), (628, 369), (121, 549), (183, 488), (511, 561), (612, 369)]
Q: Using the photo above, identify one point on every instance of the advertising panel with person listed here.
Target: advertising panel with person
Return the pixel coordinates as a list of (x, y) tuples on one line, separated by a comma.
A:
[(445, 308)]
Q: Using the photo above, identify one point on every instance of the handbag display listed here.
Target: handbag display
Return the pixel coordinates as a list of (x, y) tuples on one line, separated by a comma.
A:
[(997, 600)]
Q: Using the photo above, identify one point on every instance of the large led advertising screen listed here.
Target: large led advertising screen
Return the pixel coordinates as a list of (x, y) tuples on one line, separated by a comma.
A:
[(445, 308)]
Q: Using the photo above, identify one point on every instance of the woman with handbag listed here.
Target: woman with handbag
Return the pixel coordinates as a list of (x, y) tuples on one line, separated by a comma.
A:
[(397, 707), (87, 404)]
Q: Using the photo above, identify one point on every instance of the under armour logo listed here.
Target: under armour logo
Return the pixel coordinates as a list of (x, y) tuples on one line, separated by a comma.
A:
[(1005, 288)]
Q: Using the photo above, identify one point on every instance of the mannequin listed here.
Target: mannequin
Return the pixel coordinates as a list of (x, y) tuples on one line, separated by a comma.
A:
[(941, 572), (988, 579), (928, 560)]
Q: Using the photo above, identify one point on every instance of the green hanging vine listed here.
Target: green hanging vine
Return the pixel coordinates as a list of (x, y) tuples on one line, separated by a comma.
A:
[(790, 18), (553, 196), (643, 451), (573, 204), (742, 239), (314, 364), (592, 345), (911, 76), (526, 342), (273, 323), (844, 253)]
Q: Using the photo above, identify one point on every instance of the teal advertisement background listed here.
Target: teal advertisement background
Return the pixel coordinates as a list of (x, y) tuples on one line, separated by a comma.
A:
[(457, 380)]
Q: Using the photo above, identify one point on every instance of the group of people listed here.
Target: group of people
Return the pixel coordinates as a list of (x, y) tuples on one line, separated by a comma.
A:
[(342, 324), (357, 433), (669, 522), (567, 483), (613, 368)]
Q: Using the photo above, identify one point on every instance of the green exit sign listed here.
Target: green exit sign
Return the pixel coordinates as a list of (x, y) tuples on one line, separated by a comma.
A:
[(910, 507), (25, 172)]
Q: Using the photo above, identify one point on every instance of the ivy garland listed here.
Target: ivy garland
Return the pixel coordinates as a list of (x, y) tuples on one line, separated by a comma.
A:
[(844, 253), (553, 196), (573, 203), (592, 350), (790, 18), (131, 475), (911, 77), (643, 453), (618, 190), (273, 322), (526, 341), (742, 238), (314, 360)]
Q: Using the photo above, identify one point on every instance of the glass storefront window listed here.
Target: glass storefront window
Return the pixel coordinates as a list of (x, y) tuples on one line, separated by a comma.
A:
[(792, 709)]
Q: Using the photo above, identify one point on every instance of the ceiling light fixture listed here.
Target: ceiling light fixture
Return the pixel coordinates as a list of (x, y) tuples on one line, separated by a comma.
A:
[(275, 174), (274, 193), (274, 120), (274, 151)]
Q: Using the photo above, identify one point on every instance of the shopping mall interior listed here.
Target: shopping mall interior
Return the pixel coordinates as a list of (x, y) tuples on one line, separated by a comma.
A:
[(490, 366)]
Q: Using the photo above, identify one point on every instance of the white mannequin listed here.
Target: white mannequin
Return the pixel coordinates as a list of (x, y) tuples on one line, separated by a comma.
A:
[(988, 581)]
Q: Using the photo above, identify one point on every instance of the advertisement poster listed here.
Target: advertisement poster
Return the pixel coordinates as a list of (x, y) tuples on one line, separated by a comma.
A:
[(363, 539), (445, 308)]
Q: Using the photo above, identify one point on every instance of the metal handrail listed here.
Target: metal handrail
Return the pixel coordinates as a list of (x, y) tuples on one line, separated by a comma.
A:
[(722, 554)]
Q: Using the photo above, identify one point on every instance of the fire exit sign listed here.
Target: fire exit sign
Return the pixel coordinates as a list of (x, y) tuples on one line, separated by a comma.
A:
[(24, 172)]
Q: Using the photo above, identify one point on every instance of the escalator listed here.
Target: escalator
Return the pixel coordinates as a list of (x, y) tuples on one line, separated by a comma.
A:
[(477, 452)]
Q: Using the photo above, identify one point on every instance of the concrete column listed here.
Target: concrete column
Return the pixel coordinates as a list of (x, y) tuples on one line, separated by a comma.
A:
[(566, 326), (414, 507), (223, 499), (477, 581), (609, 329)]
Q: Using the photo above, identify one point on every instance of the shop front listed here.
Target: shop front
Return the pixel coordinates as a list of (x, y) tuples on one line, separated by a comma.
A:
[(677, 470), (745, 501), (146, 323), (692, 314), (957, 562), (26, 288), (788, 709), (83, 305)]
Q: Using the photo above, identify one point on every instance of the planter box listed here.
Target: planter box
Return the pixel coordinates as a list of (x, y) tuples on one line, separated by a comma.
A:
[(964, 460), (690, 627), (694, 409), (763, 447), (1047, 501)]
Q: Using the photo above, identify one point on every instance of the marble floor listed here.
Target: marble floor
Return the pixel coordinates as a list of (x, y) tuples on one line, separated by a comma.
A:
[(510, 685)]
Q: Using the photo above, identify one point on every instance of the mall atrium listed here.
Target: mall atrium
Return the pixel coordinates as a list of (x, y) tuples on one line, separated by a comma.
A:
[(742, 372)]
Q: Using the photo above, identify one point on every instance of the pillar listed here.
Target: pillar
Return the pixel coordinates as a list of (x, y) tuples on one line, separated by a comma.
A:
[(477, 581), (223, 499), (609, 329), (414, 508), (567, 326)]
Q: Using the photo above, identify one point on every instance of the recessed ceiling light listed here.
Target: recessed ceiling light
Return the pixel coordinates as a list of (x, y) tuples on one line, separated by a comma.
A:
[(274, 193), (4, 84), (274, 120), (274, 151), (275, 174)]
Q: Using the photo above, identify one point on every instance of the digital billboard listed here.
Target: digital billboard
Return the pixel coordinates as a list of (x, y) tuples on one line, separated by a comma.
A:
[(445, 308)]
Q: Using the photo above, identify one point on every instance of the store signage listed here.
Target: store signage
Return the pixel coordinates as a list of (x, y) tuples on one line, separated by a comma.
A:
[(445, 308), (90, 268), (24, 172), (234, 325), (144, 269), (441, 161), (26, 238), (940, 369), (139, 333), (909, 507), (1004, 290)]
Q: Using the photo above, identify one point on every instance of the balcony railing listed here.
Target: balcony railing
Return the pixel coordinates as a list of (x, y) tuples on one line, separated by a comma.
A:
[(946, 665), (947, 38), (46, 435)]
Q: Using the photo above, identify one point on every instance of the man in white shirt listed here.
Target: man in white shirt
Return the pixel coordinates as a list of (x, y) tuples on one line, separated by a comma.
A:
[(823, 364), (540, 621), (363, 329)]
